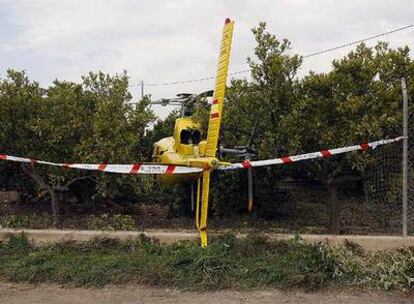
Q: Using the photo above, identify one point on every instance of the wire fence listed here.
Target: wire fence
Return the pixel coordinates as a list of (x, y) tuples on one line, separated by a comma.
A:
[(410, 217), (368, 203), (375, 203), (383, 191), (382, 207)]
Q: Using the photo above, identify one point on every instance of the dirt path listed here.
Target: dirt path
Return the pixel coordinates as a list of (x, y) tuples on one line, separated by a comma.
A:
[(45, 294)]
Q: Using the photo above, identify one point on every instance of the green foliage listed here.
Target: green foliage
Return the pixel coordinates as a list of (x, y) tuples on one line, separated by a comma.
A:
[(253, 262), (162, 128), (87, 122), (357, 101), (20, 101), (384, 269), (16, 245), (261, 103), (33, 221), (264, 101), (112, 222)]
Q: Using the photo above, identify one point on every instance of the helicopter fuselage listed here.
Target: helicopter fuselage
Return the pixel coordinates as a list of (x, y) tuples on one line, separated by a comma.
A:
[(184, 148)]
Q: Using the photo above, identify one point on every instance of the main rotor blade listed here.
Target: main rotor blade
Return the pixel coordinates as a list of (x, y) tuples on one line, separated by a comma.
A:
[(208, 93), (216, 110), (137, 168), (185, 95), (165, 102), (202, 227), (314, 155)]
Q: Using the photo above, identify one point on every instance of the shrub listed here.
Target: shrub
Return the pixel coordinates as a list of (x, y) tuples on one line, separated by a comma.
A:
[(228, 262)]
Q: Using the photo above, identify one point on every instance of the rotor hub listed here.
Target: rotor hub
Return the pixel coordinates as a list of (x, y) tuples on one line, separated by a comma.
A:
[(206, 163)]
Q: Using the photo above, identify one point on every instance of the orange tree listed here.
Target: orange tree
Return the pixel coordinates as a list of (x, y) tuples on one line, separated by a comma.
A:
[(259, 105), (358, 101), (69, 122)]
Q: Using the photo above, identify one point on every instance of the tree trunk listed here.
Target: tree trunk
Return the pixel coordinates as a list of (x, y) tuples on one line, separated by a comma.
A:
[(55, 204), (335, 208), (53, 197)]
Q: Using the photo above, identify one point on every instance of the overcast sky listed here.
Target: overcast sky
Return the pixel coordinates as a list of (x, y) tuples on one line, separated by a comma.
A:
[(162, 41)]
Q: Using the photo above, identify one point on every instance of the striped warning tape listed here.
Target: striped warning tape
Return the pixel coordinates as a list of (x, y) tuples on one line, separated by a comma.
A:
[(140, 168), (321, 154), (137, 168)]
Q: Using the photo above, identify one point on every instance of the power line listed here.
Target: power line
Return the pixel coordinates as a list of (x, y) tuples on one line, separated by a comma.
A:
[(358, 41), (304, 57)]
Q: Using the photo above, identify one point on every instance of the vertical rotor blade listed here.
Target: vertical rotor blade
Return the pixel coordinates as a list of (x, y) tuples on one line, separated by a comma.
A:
[(204, 208), (220, 88)]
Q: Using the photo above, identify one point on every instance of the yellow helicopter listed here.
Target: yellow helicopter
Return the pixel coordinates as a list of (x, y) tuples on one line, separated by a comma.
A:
[(185, 147)]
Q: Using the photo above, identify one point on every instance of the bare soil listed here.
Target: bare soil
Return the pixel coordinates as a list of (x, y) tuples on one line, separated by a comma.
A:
[(45, 294)]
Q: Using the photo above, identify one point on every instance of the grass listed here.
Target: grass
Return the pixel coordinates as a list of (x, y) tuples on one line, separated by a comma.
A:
[(228, 262)]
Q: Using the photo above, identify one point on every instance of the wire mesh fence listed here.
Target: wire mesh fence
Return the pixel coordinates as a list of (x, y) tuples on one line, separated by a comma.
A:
[(385, 185), (383, 191), (383, 188), (369, 203), (374, 203), (410, 216)]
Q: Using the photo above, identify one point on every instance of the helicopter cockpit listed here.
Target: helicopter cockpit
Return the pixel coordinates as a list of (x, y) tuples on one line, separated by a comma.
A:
[(190, 136), (186, 141)]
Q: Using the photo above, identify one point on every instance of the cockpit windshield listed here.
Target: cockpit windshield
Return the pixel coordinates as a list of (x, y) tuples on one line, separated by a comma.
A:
[(190, 136)]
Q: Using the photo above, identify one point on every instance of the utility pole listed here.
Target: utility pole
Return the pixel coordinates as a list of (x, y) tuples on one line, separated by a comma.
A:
[(405, 157), (142, 89)]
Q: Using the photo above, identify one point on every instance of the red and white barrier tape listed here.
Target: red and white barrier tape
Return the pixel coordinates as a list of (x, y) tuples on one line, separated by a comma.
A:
[(112, 168), (139, 168), (321, 154)]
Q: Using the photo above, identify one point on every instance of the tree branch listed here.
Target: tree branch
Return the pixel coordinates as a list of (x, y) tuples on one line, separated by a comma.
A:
[(66, 186), (38, 179)]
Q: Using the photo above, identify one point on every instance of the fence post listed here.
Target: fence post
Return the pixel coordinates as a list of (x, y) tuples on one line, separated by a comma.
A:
[(405, 157)]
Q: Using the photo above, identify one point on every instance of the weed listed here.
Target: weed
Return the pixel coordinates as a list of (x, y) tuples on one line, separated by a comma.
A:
[(228, 262), (111, 222)]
